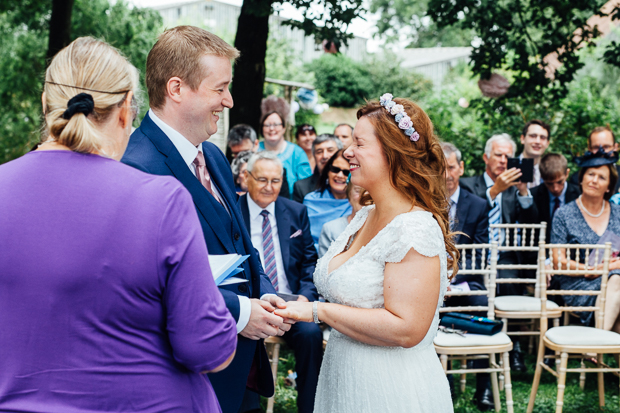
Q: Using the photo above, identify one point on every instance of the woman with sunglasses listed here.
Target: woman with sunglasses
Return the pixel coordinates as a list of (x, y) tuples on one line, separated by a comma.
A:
[(329, 201)]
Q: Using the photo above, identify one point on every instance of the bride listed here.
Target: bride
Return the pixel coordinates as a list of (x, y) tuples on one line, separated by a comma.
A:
[(385, 276)]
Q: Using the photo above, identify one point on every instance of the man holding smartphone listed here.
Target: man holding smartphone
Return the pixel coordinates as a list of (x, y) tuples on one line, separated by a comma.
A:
[(535, 140)]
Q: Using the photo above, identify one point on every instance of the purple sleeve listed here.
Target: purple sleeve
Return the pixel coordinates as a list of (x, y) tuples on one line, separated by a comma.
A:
[(201, 330)]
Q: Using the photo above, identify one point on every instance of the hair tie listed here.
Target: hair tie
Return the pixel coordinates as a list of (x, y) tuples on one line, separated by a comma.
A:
[(80, 103)]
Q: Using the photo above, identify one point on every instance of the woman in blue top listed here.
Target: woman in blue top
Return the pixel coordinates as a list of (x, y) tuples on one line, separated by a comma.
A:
[(293, 158), (329, 201)]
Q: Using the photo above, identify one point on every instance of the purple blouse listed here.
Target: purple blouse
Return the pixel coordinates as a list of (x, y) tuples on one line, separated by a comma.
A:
[(107, 302)]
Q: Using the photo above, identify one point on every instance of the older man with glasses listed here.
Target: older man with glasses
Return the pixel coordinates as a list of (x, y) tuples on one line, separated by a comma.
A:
[(280, 231)]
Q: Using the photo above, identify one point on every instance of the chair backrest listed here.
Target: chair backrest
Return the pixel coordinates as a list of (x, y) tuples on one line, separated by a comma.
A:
[(575, 260), (520, 238), (478, 255)]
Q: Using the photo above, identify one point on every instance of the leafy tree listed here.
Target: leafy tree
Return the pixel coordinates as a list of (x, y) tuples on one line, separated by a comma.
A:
[(326, 19), (23, 40), (406, 19), (341, 81)]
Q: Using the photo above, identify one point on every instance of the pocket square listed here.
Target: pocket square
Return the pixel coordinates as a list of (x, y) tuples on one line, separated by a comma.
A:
[(296, 233)]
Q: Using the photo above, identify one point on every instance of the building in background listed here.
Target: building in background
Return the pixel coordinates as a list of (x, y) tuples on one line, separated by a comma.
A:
[(434, 62)]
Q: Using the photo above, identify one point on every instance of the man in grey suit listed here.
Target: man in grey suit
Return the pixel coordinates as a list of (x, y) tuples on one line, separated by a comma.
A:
[(323, 147)]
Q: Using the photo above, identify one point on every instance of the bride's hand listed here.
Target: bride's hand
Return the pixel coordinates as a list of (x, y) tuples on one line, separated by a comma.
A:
[(296, 310)]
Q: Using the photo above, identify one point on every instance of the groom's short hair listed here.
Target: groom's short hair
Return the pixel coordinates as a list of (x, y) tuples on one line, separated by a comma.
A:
[(177, 53)]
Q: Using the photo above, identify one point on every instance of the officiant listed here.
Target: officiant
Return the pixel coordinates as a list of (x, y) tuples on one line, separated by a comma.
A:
[(280, 231)]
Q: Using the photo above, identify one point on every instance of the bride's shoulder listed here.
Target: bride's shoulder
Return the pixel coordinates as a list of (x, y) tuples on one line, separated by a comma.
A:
[(417, 229)]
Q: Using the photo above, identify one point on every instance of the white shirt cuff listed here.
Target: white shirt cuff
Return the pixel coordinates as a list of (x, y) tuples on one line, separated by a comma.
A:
[(489, 200), (525, 201), (245, 308)]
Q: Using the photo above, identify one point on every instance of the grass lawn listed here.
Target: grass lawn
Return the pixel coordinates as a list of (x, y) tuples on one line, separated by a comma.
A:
[(575, 400)]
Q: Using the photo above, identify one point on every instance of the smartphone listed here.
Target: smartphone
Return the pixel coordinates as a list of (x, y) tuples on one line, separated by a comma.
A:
[(526, 165)]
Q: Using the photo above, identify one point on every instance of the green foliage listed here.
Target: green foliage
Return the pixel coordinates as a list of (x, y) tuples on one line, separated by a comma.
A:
[(23, 41), (406, 19), (519, 35), (343, 82), (340, 80)]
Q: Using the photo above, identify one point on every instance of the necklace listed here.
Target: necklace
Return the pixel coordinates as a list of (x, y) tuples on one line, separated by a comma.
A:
[(588, 212)]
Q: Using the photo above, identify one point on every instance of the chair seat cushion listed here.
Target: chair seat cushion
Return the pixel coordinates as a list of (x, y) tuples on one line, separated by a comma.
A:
[(470, 340), (520, 303), (582, 336)]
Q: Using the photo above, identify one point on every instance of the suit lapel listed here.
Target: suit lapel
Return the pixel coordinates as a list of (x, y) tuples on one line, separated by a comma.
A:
[(284, 224), (544, 202), (462, 208), (202, 199)]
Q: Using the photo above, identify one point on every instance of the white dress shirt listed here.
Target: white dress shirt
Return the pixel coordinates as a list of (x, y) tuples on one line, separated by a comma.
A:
[(189, 152), (256, 231)]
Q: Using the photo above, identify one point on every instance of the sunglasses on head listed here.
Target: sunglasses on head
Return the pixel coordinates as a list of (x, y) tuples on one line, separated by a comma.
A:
[(337, 170)]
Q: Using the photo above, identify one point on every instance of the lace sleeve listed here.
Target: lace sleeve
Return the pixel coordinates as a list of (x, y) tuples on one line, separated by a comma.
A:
[(417, 230)]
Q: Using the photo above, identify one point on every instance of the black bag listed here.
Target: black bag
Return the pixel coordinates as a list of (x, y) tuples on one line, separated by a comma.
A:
[(471, 323)]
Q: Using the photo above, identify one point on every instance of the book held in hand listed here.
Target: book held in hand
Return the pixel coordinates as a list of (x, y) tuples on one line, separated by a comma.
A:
[(223, 267)]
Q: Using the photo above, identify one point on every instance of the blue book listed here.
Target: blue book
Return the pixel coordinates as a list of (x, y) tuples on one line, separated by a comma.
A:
[(225, 266)]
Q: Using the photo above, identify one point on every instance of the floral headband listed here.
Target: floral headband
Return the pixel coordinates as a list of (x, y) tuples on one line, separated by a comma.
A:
[(400, 116)]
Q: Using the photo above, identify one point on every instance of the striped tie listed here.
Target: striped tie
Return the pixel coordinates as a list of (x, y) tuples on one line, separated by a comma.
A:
[(494, 215), (268, 251)]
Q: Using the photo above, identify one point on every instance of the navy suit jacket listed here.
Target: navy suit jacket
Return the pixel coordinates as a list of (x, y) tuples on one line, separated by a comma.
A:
[(151, 151), (298, 253), (472, 218)]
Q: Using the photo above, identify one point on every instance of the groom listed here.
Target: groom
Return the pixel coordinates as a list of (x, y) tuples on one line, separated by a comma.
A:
[(188, 72)]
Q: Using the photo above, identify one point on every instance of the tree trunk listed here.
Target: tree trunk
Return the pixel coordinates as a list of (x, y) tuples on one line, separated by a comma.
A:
[(249, 70), (60, 27)]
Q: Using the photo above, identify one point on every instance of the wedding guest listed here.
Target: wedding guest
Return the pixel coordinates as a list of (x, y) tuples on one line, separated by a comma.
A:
[(238, 167), (273, 124), (242, 138), (306, 134), (280, 231), (509, 201), (554, 192), (107, 300), (468, 216), (332, 229), (344, 132), (329, 201), (535, 139), (584, 221), (188, 72), (601, 137), (323, 147)]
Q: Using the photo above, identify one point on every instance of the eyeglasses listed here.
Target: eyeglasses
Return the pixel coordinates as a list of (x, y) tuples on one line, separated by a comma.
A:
[(337, 170), (271, 125), (265, 181)]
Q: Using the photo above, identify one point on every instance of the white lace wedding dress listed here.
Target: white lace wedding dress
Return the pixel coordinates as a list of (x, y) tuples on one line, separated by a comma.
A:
[(361, 378)]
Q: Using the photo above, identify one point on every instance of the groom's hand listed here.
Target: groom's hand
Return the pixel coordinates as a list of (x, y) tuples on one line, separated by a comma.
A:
[(263, 322)]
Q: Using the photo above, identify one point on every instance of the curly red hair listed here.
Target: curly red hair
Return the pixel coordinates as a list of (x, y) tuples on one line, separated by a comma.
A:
[(417, 169)]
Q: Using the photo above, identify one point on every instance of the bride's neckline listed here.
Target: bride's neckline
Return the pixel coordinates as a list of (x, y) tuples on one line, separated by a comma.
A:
[(358, 229)]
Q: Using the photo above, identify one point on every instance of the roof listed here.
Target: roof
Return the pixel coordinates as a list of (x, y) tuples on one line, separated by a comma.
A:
[(424, 56)]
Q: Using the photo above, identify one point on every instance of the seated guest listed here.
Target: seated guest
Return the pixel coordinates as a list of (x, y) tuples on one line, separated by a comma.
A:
[(273, 125), (344, 132), (280, 232), (332, 229), (468, 214), (107, 300), (323, 147), (535, 140), (554, 192), (306, 134), (601, 137), (238, 167), (329, 201), (242, 138), (584, 221)]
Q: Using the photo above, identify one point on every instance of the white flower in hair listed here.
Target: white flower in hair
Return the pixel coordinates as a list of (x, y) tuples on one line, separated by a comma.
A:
[(396, 109)]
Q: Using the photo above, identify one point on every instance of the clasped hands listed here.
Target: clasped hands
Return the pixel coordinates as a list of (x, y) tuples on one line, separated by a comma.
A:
[(264, 322)]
